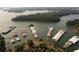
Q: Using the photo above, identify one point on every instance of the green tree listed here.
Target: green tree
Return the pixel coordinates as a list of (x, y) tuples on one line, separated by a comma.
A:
[(2, 44)]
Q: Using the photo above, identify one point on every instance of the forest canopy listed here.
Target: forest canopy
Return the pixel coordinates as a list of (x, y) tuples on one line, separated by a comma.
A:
[(74, 24), (41, 17)]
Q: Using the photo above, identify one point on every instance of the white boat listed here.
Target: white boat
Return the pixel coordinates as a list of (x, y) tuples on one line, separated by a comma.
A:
[(74, 39), (50, 32), (34, 32), (17, 39), (12, 41), (71, 41), (58, 35)]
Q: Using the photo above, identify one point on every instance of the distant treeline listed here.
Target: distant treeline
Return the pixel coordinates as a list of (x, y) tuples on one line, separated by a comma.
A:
[(63, 12), (15, 10), (74, 24), (42, 17)]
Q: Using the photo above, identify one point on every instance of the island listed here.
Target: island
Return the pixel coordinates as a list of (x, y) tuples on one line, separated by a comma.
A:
[(41, 17), (73, 24)]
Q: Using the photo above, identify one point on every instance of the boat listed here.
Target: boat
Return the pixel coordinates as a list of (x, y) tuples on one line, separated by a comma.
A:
[(24, 32), (58, 35), (34, 32), (15, 34), (12, 41), (50, 32), (71, 41), (17, 39), (6, 31), (12, 27)]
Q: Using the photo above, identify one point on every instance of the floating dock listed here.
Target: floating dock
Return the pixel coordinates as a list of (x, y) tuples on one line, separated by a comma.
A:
[(71, 41), (50, 32), (58, 35), (34, 32)]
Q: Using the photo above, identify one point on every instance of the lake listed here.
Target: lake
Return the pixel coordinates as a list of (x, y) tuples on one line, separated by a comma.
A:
[(42, 27)]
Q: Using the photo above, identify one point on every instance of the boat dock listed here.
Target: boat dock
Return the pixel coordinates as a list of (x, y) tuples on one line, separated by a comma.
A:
[(71, 41), (50, 32), (51, 45), (34, 32), (6, 31), (58, 35)]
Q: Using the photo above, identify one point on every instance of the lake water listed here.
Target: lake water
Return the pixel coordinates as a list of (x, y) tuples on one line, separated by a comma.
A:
[(42, 27)]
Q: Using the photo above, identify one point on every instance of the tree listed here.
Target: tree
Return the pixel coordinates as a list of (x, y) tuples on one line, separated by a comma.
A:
[(2, 44), (42, 17)]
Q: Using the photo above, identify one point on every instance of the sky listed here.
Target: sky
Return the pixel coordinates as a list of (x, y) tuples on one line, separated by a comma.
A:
[(39, 3)]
